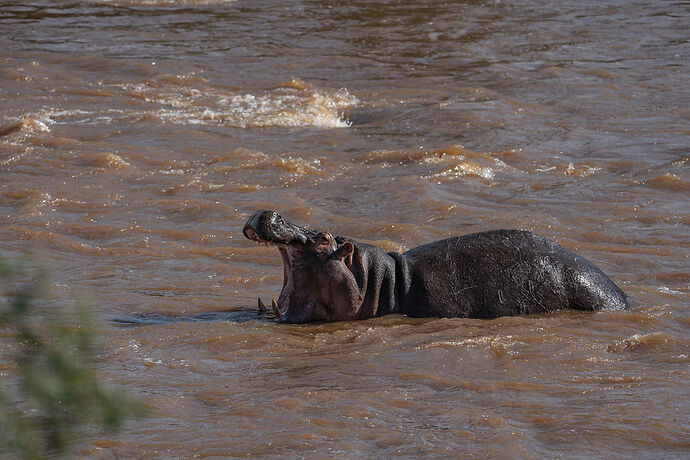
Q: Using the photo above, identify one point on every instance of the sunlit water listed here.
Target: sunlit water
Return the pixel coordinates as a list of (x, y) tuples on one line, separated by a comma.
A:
[(136, 138)]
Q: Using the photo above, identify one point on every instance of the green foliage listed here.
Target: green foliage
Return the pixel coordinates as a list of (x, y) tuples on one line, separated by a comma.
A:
[(52, 392)]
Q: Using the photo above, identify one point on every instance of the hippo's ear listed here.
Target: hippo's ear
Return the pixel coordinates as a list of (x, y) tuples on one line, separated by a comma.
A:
[(345, 252)]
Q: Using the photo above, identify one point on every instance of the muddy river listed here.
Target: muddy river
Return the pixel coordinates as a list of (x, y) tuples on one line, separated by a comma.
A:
[(137, 137)]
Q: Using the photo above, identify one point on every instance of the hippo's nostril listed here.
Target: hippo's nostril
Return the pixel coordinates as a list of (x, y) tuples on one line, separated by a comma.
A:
[(249, 233)]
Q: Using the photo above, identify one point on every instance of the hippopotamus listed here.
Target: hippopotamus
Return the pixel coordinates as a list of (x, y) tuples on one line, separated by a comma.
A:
[(480, 275)]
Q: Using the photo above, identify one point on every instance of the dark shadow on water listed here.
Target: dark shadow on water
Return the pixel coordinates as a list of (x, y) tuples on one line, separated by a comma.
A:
[(147, 319)]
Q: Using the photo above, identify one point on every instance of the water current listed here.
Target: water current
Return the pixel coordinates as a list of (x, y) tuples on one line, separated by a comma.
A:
[(136, 138)]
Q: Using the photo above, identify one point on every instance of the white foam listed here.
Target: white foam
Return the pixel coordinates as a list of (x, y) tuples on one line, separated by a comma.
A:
[(294, 105), (285, 106), (667, 290)]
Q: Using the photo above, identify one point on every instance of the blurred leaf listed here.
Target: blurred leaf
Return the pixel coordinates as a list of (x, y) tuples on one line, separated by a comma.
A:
[(55, 393)]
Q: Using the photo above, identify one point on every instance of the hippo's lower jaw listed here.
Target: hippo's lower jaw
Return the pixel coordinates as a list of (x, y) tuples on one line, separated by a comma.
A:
[(483, 275), (279, 308), (303, 313)]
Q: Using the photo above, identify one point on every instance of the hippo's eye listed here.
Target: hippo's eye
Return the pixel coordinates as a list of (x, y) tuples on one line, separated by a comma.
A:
[(323, 241)]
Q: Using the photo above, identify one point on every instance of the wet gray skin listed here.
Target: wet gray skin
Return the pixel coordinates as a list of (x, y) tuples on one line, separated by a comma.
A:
[(482, 275)]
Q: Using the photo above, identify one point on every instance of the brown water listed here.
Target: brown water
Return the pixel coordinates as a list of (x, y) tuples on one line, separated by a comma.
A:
[(138, 136)]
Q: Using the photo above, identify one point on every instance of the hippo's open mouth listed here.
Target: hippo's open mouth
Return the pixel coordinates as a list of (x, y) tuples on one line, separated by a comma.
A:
[(269, 228)]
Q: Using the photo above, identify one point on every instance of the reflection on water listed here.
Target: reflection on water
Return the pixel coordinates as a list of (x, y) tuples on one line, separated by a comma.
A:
[(147, 319), (136, 138)]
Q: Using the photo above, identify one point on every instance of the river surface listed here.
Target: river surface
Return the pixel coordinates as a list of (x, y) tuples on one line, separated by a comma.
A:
[(137, 137)]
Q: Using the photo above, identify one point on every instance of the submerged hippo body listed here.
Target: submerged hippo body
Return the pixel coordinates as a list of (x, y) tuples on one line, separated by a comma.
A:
[(482, 275)]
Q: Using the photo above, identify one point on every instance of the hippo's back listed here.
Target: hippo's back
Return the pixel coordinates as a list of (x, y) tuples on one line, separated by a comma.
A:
[(502, 272)]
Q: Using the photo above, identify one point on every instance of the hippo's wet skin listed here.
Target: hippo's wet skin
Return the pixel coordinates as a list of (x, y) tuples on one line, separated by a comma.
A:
[(483, 275)]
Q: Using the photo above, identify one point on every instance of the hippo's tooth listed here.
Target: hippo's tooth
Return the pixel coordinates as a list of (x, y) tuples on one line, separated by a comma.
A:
[(276, 311), (262, 306)]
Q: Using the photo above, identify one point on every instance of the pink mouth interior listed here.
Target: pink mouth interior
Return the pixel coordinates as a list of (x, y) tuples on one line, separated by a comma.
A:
[(287, 279), (283, 299)]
